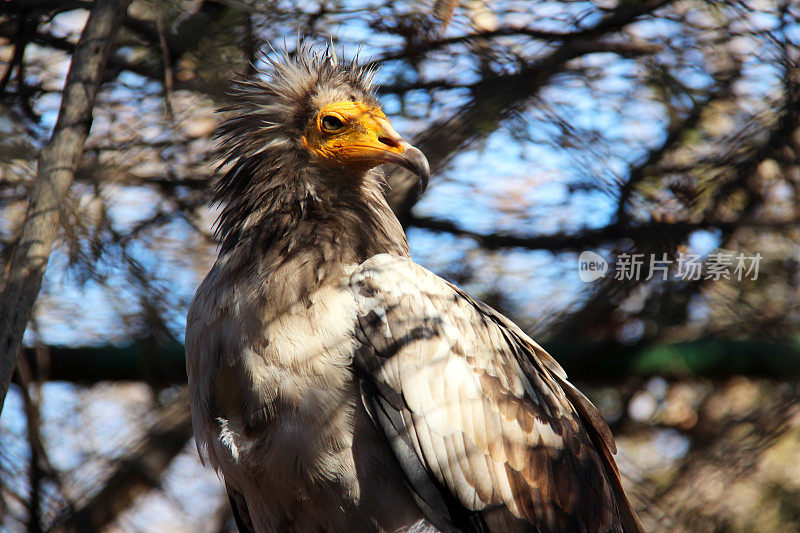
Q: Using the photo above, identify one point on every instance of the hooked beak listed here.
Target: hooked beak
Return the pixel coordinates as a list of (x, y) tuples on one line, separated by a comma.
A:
[(390, 147), (411, 159)]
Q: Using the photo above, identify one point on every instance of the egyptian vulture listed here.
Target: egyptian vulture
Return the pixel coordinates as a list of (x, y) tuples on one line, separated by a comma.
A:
[(338, 386)]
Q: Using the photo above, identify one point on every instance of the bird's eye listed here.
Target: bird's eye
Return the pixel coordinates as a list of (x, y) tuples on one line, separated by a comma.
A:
[(332, 123)]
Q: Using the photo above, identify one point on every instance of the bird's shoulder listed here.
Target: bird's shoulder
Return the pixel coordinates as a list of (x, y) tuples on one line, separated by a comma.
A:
[(214, 298), (393, 293)]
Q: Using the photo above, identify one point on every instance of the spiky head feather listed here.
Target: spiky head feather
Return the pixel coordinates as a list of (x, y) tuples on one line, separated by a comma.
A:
[(263, 159)]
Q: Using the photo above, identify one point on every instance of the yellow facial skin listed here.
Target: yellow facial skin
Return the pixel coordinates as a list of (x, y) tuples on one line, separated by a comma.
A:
[(363, 135), (359, 136)]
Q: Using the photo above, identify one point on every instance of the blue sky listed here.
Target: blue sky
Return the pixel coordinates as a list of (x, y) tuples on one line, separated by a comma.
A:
[(503, 183)]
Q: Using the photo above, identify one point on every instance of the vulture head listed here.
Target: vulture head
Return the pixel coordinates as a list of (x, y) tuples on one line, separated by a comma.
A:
[(308, 126)]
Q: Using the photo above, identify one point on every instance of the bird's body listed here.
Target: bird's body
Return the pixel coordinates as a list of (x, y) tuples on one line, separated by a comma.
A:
[(288, 421), (338, 386)]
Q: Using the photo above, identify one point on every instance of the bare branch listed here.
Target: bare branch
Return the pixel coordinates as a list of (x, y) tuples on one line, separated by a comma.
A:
[(135, 474), (57, 165), (495, 98), (583, 239)]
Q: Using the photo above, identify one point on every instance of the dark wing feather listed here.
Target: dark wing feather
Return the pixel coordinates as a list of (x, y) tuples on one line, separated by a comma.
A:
[(489, 432), (240, 513)]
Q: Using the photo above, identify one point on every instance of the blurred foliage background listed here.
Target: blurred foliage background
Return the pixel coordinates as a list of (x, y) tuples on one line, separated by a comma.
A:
[(553, 127)]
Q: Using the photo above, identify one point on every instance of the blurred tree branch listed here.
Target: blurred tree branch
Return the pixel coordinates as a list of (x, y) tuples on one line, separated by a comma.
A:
[(57, 164), (593, 238), (742, 175), (135, 474), (586, 361), (743, 428), (494, 99), (658, 122)]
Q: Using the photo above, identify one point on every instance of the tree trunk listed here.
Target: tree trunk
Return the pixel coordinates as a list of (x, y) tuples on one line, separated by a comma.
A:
[(57, 164)]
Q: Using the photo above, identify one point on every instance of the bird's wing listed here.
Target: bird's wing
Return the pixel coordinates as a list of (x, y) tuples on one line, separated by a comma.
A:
[(481, 418), (241, 515)]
